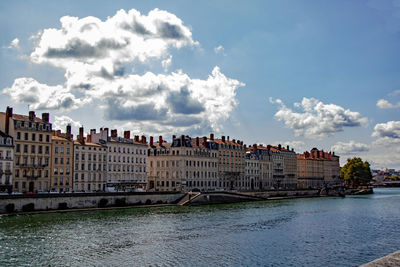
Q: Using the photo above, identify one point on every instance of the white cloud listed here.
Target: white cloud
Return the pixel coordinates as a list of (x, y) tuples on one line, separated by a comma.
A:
[(95, 55), (42, 96), (394, 93), (14, 44), (61, 122), (387, 133), (384, 104), (350, 147), (317, 119), (166, 63), (298, 146), (219, 50)]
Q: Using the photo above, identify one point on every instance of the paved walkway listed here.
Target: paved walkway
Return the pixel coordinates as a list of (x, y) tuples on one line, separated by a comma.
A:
[(389, 260)]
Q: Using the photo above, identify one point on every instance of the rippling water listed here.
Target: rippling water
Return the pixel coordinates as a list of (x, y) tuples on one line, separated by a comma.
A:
[(299, 232)]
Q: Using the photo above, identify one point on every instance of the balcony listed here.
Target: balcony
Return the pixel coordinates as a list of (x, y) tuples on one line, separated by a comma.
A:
[(25, 165), (30, 176)]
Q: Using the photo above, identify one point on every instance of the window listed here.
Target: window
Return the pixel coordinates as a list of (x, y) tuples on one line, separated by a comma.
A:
[(40, 137), (33, 149), (25, 136), (47, 150), (33, 137), (18, 148), (40, 150), (56, 150), (62, 150), (47, 138), (25, 148), (18, 135), (68, 150)]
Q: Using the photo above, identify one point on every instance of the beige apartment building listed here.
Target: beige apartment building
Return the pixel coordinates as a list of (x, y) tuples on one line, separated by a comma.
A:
[(317, 169), (62, 146), (32, 149), (231, 162), (184, 164), (90, 164)]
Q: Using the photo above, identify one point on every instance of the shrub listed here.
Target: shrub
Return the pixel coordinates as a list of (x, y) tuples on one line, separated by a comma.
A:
[(103, 202), (148, 202), (62, 206), (10, 207), (159, 202), (28, 207)]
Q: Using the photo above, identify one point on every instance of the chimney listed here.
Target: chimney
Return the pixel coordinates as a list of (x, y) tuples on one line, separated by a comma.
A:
[(205, 141), (151, 140), (31, 115), (9, 114), (127, 134), (45, 117), (80, 136), (280, 147), (268, 147), (233, 140), (241, 143), (255, 149), (227, 138), (114, 133), (183, 140), (68, 131), (92, 131), (173, 137), (211, 136), (197, 141), (223, 138), (106, 130), (160, 141), (89, 138), (143, 139), (292, 149), (287, 147), (137, 138)]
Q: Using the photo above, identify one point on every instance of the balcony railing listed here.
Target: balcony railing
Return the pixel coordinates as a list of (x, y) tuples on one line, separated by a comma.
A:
[(25, 165)]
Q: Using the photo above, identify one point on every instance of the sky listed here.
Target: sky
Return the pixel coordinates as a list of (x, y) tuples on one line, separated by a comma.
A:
[(306, 74)]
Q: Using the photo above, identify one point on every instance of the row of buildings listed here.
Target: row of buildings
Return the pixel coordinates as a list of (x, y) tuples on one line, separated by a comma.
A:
[(34, 158)]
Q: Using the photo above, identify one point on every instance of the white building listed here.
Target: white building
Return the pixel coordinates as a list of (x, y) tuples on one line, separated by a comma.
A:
[(126, 159), (90, 164)]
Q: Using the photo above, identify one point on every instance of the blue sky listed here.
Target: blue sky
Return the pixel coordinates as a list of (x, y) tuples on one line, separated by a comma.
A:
[(336, 59)]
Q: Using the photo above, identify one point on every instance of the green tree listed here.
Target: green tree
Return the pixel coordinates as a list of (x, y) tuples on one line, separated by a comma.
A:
[(355, 171)]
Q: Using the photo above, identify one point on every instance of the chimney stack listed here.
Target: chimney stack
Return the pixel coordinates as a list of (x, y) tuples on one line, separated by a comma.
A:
[(287, 147), (9, 114), (127, 134), (268, 147), (92, 131), (280, 147), (114, 133), (233, 140), (31, 115), (205, 141), (46, 117), (211, 136), (106, 130), (160, 141), (151, 140), (137, 138), (68, 131), (173, 137), (182, 140), (143, 139), (197, 141), (80, 136), (227, 138), (223, 138), (89, 138), (255, 149)]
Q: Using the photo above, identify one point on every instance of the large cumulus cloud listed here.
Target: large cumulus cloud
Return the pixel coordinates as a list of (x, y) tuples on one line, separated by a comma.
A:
[(388, 132), (317, 119), (97, 57)]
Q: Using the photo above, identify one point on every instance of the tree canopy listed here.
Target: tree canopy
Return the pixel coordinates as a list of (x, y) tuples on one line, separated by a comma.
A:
[(355, 171)]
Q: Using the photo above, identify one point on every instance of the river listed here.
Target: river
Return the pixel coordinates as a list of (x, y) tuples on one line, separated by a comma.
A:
[(296, 232)]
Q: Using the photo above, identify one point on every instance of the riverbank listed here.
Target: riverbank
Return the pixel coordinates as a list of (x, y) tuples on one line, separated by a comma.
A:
[(389, 260), (34, 204)]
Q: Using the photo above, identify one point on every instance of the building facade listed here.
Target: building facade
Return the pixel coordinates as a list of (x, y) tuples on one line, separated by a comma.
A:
[(32, 149), (184, 164), (6, 162), (231, 164), (62, 146), (126, 160), (317, 169), (90, 163)]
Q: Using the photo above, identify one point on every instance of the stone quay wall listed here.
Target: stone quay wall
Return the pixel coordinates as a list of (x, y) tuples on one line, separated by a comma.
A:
[(45, 202)]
